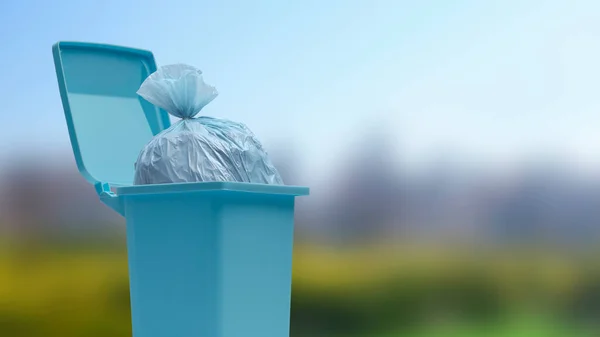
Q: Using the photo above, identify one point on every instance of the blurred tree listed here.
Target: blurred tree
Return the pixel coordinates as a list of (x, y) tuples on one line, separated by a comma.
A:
[(368, 190), (38, 198)]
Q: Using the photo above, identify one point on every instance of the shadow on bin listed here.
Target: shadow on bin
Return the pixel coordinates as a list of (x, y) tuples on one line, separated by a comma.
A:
[(205, 259)]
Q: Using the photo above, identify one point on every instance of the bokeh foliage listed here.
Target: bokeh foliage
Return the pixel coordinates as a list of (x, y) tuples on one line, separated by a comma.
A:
[(82, 290)]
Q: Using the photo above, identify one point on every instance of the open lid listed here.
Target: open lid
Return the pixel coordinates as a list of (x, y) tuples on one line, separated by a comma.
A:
[(108, 122)]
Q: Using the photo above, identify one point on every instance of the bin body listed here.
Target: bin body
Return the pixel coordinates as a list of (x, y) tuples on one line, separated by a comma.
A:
[(210, 263)]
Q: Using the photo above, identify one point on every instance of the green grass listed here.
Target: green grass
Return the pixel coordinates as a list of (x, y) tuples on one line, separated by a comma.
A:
[(524, 326), (54, 291)]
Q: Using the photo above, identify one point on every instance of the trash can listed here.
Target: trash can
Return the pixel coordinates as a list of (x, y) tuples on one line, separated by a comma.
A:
[(205, 259)]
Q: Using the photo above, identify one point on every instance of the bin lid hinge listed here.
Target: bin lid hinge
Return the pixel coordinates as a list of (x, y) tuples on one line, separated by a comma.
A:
[(109, 198)]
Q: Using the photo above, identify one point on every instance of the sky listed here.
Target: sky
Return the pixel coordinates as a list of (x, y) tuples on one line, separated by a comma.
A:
[(488, 81)]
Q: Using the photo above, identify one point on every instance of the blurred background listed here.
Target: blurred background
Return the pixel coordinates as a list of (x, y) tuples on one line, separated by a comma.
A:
[(451, 148)]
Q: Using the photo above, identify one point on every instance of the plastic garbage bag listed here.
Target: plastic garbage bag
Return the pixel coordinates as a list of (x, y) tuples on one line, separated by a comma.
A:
[(197, 149)]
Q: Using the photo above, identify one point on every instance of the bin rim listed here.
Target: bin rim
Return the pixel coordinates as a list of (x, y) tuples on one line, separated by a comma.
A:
[(212, 187)]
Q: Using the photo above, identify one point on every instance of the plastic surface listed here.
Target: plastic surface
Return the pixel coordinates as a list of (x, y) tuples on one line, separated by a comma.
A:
[(197, 149), (214, 260), (179, 89), (108, 122), (213, 186)]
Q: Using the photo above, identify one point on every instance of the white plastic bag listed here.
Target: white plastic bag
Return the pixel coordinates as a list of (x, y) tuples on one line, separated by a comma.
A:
[(197, 149)]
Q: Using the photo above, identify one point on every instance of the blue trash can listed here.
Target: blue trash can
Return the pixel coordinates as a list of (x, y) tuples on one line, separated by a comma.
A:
[(207, 259)]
